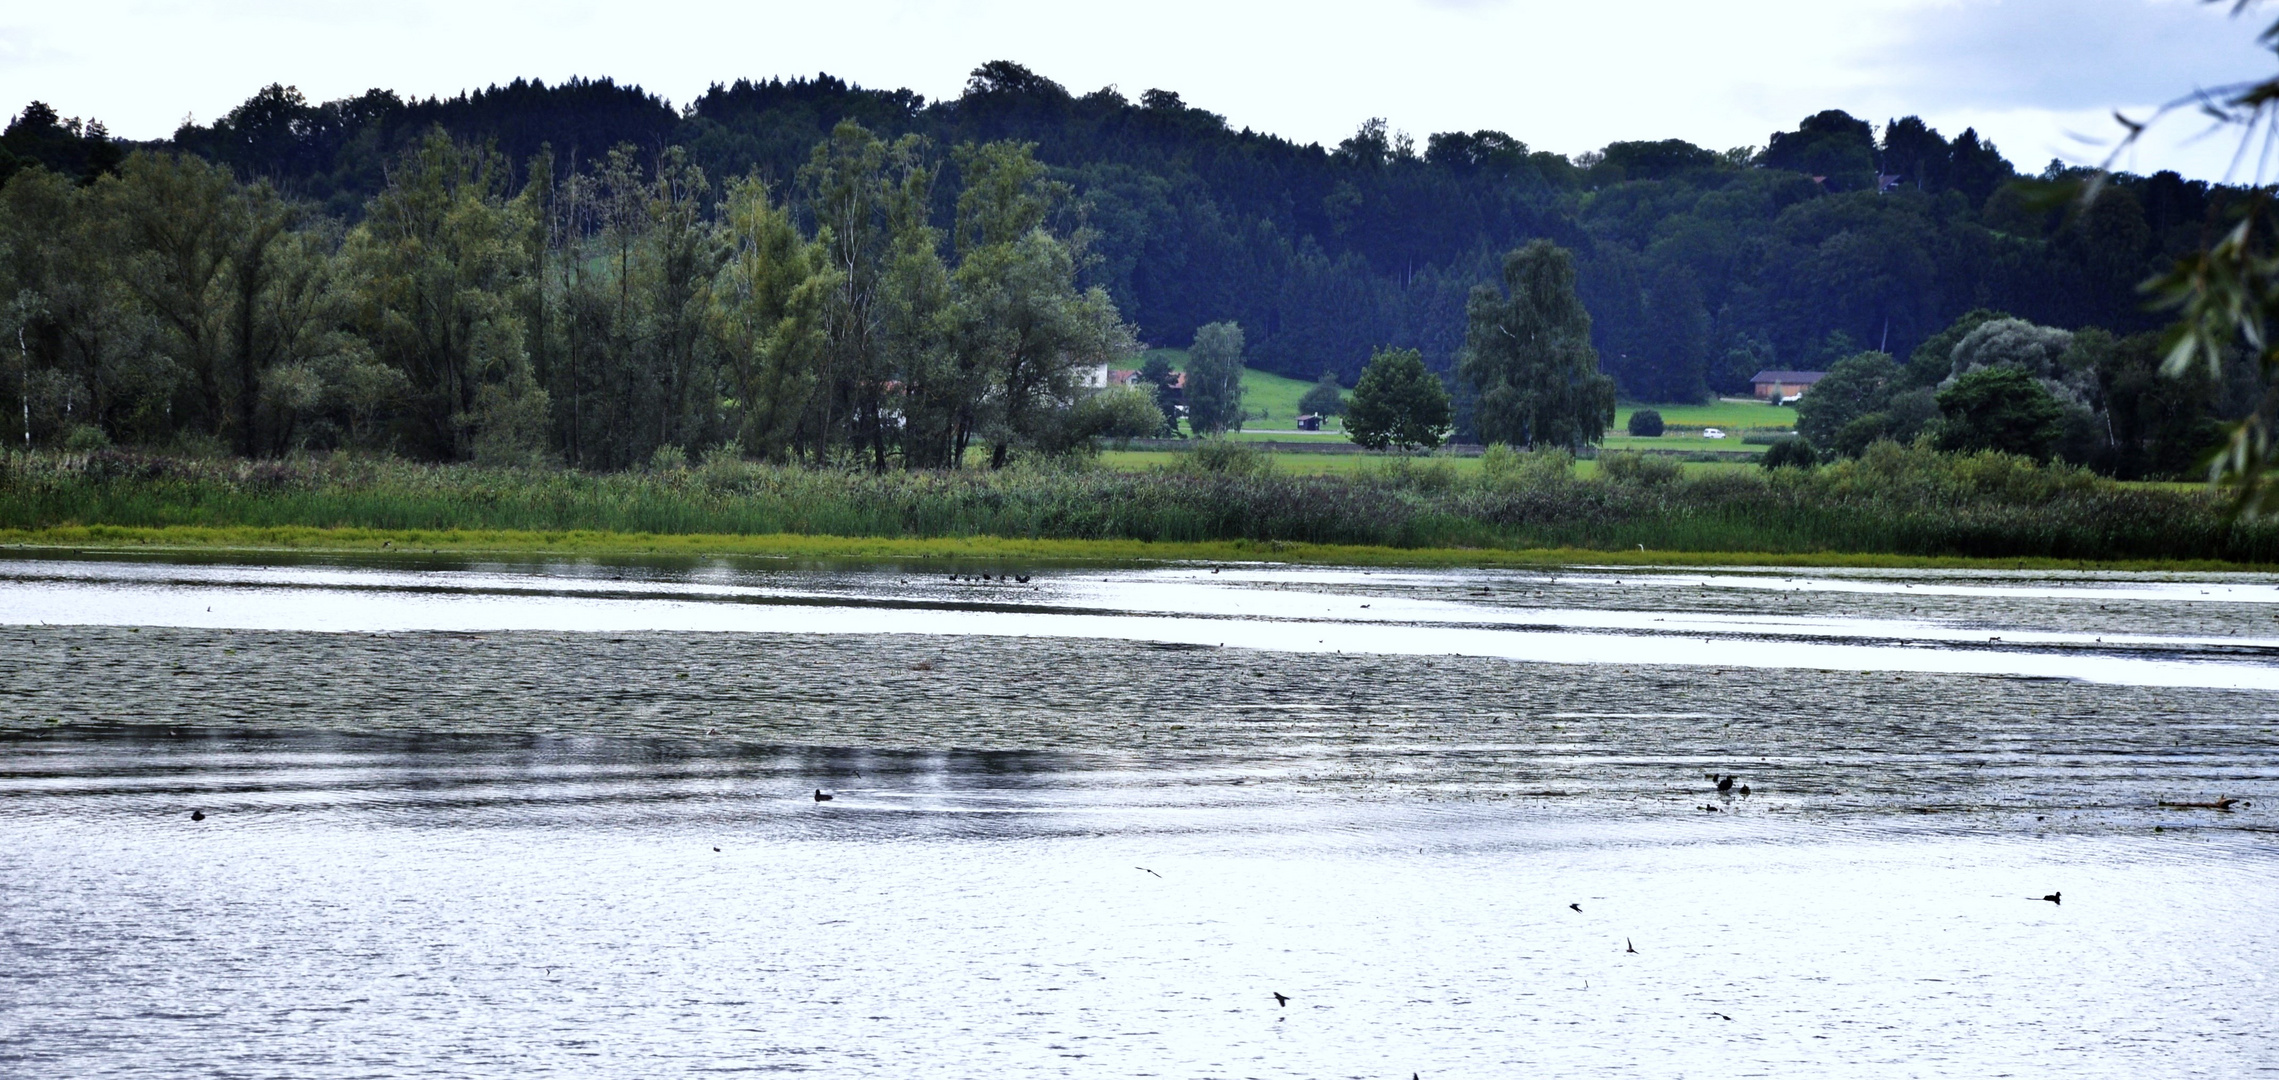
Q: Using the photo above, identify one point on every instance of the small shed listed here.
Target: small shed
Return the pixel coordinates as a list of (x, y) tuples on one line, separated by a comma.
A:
[(1785, 385), (1310, 422)]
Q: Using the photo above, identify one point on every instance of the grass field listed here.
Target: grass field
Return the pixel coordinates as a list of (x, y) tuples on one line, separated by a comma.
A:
[(1678, 440), (1733, 416), (1276, 397)]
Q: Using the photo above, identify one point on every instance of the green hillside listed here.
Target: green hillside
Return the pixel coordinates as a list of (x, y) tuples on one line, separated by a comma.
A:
[(1271, 400), (1733, 416)]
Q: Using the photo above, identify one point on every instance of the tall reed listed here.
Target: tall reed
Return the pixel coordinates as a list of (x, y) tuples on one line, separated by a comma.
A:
[(1894, 500)]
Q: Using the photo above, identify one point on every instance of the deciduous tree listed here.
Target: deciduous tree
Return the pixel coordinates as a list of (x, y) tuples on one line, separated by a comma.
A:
[(1528, 353), (1214, 379), (1398, 403)]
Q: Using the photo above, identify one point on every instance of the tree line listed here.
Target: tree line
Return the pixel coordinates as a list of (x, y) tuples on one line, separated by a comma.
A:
[(597, 317), (1695, 266), (1698, 265)]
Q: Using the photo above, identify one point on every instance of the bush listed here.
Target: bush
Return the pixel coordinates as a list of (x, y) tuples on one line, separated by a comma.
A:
[(1505, 469), (1122, 413), (2002, 409), (1917, 473), (668, 458), (1646, 424), (1412, 474), (1632, 467), (1790, 454), (1854, 387), (1323, 398), (1226, 457), (1854, 438), (725, 467), (1398, 403), (85, 439)]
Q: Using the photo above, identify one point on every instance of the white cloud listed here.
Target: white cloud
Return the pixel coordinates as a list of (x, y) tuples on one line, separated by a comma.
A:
[(2067, 54)]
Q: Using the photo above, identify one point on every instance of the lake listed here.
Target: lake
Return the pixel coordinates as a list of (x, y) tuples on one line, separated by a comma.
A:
[(522, 818)]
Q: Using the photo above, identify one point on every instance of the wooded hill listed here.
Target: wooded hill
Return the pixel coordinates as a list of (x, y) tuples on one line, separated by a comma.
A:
[(1698, 266)]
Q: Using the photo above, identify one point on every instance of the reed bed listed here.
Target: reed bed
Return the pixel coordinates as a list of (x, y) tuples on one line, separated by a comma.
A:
[(1895, 501)]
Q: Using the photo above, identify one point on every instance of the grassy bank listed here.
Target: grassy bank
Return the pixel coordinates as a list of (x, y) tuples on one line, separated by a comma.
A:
[(1348, 465), (962, 550), (1898, 502)]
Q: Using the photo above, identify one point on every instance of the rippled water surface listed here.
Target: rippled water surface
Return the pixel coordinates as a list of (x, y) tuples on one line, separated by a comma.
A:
[(558, 819)]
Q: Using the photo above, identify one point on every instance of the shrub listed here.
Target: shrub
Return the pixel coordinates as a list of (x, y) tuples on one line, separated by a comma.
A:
[(1632, 467), (2002, 409), (1397, 403), (1122, 413), (1854, 438), (86, 439), (1794, 453), (1413, 474), (1646, 424), (725, 467), (668, 458), (1854, 387), (1505, 469), (1323, 398), (1226, 457)]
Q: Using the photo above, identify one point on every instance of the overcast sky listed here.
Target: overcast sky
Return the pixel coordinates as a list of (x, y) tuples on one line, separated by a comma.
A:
[(1569, 76)]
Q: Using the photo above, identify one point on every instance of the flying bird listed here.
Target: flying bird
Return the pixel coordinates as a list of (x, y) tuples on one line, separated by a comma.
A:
[(2052, 898), (1577, 907), (1627, 946), (1145, 868), (1281, 999)]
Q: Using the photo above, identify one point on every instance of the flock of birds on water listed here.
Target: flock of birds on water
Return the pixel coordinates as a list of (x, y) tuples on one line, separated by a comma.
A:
[(1725, 784)]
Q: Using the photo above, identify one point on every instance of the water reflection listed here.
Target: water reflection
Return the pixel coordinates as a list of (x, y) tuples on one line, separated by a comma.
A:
[(2137, 629)]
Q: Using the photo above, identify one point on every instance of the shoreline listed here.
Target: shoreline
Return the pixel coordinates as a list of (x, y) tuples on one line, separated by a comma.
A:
[(308, 540)]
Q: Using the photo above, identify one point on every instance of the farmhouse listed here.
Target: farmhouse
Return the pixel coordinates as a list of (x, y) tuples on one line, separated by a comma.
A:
[(1126, 376), (1785, 385)]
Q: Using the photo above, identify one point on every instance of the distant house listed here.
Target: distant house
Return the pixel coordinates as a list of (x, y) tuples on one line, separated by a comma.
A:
[(1310, 422), (1785, 385), (1126, 376)]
